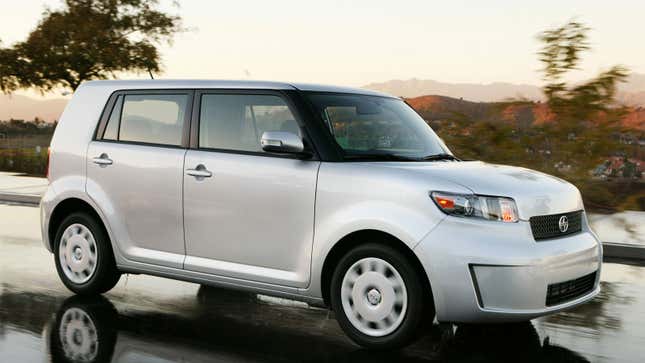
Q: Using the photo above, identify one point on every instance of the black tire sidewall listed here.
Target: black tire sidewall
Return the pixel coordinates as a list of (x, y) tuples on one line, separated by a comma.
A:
[(409, 328), (105, 272)]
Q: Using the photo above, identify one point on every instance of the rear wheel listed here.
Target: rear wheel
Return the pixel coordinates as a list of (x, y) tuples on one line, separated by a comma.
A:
[(378, 297), (83, 256)]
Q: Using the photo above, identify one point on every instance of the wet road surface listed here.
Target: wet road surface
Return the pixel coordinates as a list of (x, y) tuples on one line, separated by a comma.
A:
[(149, 319)]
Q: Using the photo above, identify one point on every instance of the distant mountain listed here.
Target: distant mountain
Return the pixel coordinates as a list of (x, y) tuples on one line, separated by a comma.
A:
[(448, 108), (27, 108), (635, 83), (632, 98), (630, 93), (491, 92), (523, 114), (635, 119)]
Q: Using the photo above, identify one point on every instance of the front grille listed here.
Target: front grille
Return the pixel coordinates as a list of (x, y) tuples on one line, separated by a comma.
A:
[(570, 290), (548, 226)]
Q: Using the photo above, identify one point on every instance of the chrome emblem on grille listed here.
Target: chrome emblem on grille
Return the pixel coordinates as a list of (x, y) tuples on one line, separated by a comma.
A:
[(563, 224)]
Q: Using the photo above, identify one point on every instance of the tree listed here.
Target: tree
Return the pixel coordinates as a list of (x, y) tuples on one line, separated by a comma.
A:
[(569, 136), (560, 54), (587, 114), (85, 40), (9, 65)]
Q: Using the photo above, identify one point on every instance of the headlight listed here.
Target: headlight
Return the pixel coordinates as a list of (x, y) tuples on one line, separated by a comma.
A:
[(476, 206)]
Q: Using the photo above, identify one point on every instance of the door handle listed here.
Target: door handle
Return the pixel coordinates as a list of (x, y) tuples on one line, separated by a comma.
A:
[(102, 160), (200, 171)]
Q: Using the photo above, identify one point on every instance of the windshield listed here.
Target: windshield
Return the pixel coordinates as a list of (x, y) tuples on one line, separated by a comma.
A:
[(372, 127)]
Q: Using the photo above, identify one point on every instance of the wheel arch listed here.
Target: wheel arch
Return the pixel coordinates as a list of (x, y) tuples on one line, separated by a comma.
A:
[(356, 238), (64, 209)]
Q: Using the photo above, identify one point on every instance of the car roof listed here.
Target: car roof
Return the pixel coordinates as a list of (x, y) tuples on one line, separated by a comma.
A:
[(238, 84), (338, 89)]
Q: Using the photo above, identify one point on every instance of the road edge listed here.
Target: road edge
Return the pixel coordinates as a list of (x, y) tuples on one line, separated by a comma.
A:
[(20, 199)]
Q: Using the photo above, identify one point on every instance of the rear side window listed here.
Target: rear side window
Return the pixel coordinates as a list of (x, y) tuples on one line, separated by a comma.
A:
[(153, 119), (237, 122)]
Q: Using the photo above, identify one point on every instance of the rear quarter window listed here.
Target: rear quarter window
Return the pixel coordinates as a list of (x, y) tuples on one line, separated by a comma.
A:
[(112, 128)]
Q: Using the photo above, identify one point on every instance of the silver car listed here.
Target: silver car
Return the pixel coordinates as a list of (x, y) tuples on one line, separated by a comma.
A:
[(337, 197)]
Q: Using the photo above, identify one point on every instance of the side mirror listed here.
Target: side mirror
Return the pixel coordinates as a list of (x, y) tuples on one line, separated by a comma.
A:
[(282, 142)]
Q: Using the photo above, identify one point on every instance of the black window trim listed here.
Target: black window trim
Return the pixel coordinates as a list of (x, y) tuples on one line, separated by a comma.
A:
[(194, 129), (109, 110), (109, 106)]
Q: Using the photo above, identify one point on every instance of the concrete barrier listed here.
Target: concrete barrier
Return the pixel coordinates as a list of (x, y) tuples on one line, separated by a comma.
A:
[(622, 251)]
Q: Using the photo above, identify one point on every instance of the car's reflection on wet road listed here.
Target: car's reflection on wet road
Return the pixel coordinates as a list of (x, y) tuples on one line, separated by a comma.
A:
[(147, 319), (79, 329)]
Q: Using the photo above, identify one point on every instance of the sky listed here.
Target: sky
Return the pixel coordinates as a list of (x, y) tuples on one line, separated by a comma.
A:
[(353, 43)]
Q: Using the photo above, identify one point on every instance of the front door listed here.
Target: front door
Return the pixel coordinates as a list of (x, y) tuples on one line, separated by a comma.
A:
[(248, 214)]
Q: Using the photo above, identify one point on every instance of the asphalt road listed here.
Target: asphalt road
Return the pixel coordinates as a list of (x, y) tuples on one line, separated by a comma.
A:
[(149, 319)]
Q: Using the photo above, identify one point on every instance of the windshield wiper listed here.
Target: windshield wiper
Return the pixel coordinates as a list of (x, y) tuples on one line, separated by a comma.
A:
[(395, 157), (379, 157), (442, 156)]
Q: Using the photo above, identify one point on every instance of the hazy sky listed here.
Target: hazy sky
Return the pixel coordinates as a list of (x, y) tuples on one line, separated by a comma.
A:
[(362, 41)]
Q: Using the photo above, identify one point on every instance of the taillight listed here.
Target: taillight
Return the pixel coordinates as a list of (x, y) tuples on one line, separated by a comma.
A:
[(49, 155)]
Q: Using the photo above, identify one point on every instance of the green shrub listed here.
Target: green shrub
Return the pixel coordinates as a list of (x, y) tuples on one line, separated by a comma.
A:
[(26, 161)]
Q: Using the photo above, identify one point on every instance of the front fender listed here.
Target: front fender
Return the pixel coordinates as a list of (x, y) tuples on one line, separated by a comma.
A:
[(353, 197), (406, 224)]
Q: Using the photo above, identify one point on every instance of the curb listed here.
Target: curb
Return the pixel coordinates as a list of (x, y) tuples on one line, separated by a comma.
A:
[(22, 199)]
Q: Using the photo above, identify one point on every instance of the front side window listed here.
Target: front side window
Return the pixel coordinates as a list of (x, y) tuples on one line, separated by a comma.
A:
[(153, 119), (237, 122), (373, 126)]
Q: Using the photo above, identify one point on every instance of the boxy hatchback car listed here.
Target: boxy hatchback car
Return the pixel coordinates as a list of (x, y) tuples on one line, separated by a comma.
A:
[(334, 196)]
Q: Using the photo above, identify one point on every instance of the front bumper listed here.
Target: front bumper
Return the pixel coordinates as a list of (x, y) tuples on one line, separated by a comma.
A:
[(484, 271)]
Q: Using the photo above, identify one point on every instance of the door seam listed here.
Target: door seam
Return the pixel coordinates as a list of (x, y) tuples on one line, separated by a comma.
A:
[(183, 210)]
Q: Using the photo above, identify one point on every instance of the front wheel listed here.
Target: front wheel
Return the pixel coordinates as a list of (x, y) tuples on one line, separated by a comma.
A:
[(83, 256), (378, 297)]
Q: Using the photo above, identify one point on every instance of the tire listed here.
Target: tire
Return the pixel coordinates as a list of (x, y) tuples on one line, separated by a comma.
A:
[(84, 330), (391, 302), (83, 256)]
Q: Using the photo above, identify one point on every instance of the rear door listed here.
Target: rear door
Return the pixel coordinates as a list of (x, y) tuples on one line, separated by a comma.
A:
[(250, 214), (135, 173)]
